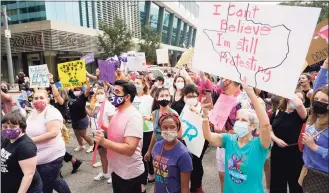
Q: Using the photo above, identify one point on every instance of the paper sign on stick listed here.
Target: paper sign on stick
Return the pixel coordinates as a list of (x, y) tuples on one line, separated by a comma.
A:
[(39, 76), (254, 40), (89, 58), (107, 69), (222, 109), (318, 49), (136, 61), (186, 58), (192, 131), (162, 56), (72, 74)]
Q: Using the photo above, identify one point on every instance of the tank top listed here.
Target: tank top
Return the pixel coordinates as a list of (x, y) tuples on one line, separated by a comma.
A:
[(157, 129), (307, 102), (178, 105)]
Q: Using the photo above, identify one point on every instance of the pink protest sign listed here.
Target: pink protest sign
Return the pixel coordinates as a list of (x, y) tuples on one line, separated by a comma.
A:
[(218, 116)]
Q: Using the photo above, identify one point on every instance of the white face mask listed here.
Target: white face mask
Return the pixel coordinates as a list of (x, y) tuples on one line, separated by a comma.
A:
[(191, 101), (179, 85), (77, 93), (100, 98)]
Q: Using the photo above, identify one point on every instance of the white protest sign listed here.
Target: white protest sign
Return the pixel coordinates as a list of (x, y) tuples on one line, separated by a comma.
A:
[(136, 61), (192, 131), (162, 56), (39, 76), (266, 43)]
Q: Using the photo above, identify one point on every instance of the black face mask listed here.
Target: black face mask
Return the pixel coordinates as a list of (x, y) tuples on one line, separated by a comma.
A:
[(164, 102), (320, 107), (4, 90)]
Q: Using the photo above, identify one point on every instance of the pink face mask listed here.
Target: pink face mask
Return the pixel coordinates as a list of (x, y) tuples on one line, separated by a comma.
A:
[(39, 105)]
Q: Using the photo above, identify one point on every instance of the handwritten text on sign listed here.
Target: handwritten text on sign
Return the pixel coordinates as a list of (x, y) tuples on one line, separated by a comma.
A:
[(218, 116), (39, 76), (72, 74), (239, 39)]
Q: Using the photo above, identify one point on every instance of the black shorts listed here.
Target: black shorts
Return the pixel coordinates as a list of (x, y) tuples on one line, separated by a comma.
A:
[(81, 124)]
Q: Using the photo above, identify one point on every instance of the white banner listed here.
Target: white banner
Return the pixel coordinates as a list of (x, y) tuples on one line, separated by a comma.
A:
[(162, 56), (39, 76), (192, 131), (266, 43)]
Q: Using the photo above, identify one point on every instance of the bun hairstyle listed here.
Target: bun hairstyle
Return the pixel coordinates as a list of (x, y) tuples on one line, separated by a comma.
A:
[(170, 116)]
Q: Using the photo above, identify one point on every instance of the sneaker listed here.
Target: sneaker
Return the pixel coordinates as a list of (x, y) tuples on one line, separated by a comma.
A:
[(97, 164), (76, 166), (80, 148), (102, 176), (110, 180), (90, 149)]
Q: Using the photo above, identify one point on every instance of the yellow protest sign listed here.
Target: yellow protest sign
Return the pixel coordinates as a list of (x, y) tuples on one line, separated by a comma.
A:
[(72, 74), (186, 57)]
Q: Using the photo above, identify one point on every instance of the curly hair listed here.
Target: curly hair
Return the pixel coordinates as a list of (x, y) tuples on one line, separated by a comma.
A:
[(170, 116)]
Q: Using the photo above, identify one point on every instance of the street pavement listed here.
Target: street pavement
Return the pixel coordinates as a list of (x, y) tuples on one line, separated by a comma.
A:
[(83, 180)]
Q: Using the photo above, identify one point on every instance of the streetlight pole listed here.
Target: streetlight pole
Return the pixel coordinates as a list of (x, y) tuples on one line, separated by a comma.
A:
[(8, 49)]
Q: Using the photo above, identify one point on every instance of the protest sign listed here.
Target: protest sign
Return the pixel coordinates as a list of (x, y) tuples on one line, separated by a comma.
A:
[(72, 74), (318, 49), (107, 69), (39, 76), (186, 58), (162, 56), (192, 131), (89, 58), (222, 109), (266, 43), (136, 61)]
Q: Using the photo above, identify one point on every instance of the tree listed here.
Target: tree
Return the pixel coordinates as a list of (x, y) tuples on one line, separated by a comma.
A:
[(149, 44), (321, 4), (115, 39)]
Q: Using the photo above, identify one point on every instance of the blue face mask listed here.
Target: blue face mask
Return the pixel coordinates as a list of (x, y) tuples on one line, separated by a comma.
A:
[(292, 106), (139, 88), (117, 100), (241, 128)]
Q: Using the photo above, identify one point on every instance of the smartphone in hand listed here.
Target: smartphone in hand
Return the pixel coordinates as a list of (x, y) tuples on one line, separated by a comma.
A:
[(208, 96)]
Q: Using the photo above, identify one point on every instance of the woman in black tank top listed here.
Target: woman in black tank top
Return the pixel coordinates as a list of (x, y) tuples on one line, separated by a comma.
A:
[(178, 99), (305, 84)]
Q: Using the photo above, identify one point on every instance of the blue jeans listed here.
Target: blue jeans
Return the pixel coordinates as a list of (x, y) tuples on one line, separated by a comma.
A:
[(51, 180), (37, 189)]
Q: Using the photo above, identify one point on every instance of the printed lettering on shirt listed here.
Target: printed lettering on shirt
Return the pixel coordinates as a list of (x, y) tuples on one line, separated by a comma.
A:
[(4, 157), (235, 168), (161, 169)]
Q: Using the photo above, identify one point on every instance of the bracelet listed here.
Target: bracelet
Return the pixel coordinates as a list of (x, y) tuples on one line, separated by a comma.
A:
[(52, 82), (205, 118)]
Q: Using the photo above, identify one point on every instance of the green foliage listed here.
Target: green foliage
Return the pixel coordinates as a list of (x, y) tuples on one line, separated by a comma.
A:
[(321, 4), (150, 44), (115, 39)]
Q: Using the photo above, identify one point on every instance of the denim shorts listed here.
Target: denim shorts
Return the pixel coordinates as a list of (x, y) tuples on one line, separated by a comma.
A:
[(82, 124)]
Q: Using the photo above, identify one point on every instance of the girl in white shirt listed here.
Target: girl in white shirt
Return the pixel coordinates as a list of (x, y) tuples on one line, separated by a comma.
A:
[(143, 103), (100, 118)]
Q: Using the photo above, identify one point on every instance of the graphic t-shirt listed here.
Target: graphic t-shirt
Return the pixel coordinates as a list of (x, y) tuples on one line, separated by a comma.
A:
[(243, 166), (11, 172), (77, 107), (169, 165), (144, 105)]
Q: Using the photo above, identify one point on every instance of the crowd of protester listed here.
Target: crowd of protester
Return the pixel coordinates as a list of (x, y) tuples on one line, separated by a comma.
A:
[(134, 125)]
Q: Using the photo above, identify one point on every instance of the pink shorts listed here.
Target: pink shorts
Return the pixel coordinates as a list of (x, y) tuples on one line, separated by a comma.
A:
[(220, 157)]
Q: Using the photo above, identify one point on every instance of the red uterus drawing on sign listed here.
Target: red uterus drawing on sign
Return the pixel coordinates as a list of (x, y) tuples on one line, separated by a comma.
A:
[(323, 33)]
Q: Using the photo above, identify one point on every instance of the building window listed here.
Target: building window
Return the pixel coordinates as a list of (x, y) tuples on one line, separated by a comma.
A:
[(188, 31), (154, 16), (181, 39), (175, 31), (142, 12), (165, 28)]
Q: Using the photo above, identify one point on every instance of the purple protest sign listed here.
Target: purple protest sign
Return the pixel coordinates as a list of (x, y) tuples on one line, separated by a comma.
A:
[(107, 70), (89, 58)]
